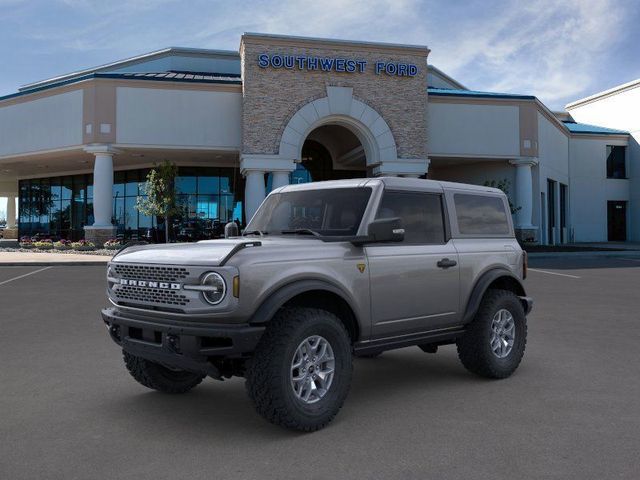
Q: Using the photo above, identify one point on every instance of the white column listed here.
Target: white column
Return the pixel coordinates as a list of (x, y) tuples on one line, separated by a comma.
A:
[(103, 189), (254, 192), (524, 191), (280, 179), (11, 211)]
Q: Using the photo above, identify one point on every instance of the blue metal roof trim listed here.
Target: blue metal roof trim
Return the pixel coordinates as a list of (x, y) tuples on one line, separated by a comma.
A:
[(158, 77), (575, 127), (450, 92)]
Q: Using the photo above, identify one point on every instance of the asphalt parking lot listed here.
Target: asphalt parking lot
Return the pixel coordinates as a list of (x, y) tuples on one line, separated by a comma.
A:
[(68, 408)]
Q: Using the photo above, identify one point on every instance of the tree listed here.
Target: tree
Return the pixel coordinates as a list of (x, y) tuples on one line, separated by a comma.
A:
[(160, 198), (503, 185)]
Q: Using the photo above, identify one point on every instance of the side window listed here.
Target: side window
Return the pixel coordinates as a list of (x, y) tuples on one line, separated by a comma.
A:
[(481, 215), (421, 215)]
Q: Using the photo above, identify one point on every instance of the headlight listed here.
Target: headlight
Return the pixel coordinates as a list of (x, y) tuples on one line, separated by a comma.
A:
[(215, 288)]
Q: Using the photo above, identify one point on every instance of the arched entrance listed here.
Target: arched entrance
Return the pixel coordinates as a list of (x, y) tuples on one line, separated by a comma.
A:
[(330, 152)]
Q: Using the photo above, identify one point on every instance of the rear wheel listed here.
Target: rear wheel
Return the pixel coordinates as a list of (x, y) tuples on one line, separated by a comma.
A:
[(494, 342), (158, 377), (300, 373)]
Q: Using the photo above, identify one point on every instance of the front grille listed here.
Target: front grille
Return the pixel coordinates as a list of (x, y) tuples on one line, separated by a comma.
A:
[(144, 295), (150, 295), (159, 274)]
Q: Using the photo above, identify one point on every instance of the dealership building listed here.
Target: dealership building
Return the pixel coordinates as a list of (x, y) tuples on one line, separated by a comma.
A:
[(75, 149)]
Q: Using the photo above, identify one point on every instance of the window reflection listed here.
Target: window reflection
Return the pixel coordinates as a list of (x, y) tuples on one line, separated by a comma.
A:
[(60, 207)]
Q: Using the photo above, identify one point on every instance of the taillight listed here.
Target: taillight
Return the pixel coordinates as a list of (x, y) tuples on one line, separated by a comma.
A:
[(525, 264)]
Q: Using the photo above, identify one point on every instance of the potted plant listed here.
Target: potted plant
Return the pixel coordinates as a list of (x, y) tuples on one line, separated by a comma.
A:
[(83, 245)]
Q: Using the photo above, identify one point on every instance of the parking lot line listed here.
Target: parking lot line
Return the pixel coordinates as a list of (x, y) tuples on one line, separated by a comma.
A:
[(25, 275), (552, 273)]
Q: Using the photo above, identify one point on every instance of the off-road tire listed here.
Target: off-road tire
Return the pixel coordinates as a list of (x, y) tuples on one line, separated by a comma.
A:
[(474, 348), (157, 377), (268, 378)]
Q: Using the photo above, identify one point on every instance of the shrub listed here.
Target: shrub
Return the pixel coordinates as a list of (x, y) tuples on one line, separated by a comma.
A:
[(112, 244), (83, 245)]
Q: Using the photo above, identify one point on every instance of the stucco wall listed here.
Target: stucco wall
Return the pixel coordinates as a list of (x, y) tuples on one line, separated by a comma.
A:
[(42, 124), (154, 116), (470, 129), (590, 189), (620, 111), (272, 96)]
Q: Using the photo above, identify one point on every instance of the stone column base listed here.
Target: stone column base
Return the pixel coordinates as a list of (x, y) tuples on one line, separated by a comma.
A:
[(10, 233), (527, 235), (99, 235)]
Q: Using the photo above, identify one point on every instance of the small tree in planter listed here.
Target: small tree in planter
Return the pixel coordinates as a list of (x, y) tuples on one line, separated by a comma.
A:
[(503, 185), (161, 197)]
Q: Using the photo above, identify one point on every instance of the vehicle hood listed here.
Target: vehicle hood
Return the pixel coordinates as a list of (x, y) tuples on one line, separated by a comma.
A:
[(214, 252)]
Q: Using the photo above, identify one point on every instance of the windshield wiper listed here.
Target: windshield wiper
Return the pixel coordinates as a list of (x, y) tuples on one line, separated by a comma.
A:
[(254, 232), (300, 231)]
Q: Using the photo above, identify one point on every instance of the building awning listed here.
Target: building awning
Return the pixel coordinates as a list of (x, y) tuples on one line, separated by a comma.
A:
[(575, 127)]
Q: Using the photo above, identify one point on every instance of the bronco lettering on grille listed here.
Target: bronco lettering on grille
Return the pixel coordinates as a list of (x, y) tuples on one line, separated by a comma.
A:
[(150, 284)]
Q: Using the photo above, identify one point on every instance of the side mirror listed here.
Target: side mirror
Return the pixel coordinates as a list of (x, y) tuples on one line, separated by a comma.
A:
[(383, 230)]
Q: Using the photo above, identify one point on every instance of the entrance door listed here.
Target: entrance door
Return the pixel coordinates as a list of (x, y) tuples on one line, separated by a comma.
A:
[(415, 283), (617, 221), (551, 211)]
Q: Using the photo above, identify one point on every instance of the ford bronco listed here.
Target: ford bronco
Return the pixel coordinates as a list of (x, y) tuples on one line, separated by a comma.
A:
[(325, 271)]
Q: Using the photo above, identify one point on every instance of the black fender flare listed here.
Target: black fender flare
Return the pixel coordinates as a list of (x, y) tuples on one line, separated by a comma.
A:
[(482, 285), (283, 294)]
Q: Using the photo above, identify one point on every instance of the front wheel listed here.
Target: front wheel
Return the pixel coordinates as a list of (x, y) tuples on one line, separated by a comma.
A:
[(494, 342), (300, 373), (158, 377)]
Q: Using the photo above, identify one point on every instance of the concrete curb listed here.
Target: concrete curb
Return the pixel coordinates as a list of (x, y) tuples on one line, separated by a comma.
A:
[(600, 253)]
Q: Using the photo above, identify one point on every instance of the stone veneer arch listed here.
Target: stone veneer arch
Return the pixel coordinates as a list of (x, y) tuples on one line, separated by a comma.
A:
[(340, 108)]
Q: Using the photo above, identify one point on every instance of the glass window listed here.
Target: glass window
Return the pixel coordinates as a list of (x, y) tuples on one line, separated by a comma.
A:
[(186, 182), (420, 213), (481, 215), (210, 185), (131, 185), (616, 162), (131, 214), (329, 212), (118, 184), (67, 188)]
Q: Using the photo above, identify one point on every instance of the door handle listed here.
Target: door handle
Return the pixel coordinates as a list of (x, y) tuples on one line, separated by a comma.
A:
[(446, 263)]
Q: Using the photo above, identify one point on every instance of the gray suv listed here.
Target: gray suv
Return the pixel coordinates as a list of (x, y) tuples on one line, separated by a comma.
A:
[(325, 271)]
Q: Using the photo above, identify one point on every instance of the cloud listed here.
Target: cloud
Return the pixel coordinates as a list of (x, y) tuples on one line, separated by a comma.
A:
[(557, 50), (547, 48)]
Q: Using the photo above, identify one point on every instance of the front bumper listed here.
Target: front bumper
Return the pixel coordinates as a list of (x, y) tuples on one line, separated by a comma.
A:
[(188, 347)]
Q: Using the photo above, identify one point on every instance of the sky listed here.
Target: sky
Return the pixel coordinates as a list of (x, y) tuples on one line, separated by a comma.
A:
[(558, 50)]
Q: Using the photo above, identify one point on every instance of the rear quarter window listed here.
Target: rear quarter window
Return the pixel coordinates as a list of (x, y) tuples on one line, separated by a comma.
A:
[(481, 215)]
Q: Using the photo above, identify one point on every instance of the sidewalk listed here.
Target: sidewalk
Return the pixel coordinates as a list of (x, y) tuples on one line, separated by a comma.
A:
[(37, 259)]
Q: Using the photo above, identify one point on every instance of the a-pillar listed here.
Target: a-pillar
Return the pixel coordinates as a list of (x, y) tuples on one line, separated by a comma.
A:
[(525, 230), (102, 228)]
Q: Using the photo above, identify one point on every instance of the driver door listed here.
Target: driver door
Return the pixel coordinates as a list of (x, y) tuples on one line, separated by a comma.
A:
[(412, 289)]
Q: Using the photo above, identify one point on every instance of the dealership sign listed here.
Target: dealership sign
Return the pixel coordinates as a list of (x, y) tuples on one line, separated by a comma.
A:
[(335, 64)]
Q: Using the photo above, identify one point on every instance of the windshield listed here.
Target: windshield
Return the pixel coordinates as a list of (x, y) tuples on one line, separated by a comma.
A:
[(325, 212)]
